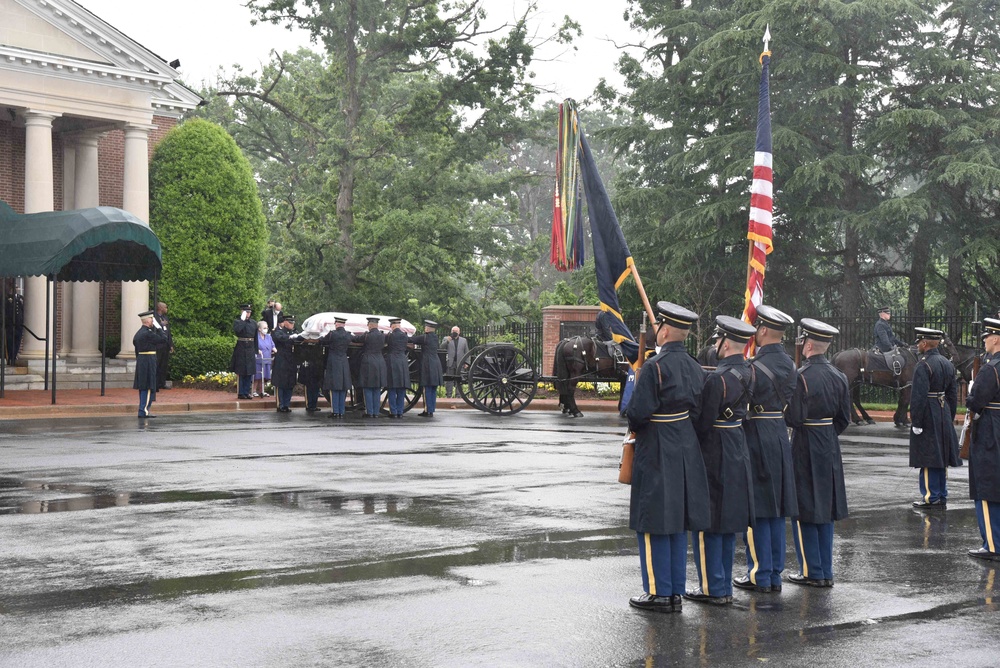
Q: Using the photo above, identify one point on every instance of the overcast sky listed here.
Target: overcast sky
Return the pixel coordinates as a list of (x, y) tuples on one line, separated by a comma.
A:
[(207, 34)]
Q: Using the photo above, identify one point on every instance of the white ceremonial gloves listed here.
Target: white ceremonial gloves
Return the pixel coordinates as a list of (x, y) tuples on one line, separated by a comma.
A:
[(917, 431), (243, 316), (157, 324), (968, 390)]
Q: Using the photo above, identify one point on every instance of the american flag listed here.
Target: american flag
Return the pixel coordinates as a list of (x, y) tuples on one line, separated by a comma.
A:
[(761, 202)]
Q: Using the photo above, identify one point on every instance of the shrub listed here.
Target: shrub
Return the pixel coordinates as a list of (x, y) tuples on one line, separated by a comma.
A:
[(206, 211), (202, 355)]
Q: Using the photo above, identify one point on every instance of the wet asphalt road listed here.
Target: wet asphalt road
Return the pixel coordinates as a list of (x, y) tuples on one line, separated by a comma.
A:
[(290, 540)]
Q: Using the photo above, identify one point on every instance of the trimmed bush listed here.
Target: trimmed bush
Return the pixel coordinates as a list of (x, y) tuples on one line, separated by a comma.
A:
[(206, 211), (197, 356)]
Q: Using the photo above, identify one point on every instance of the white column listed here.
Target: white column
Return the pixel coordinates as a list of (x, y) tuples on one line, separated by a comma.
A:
[(135, 295), (69, 188), (86, 295), (38, 196)]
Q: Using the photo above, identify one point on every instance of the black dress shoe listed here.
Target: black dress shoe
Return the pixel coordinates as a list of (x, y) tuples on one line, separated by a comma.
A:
[(744, 583), (655, 603), (242, 396), (424, 414), (776, 589), (940, 504), (983, 553), (799, 579), (312, 409), (697, 596), (142, 417)]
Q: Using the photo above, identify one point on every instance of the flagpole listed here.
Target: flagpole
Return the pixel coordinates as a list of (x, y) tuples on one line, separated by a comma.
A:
[(642, 293)]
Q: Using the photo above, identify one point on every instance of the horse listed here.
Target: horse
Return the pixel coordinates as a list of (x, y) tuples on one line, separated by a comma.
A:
[(856, 364), (962, 357), (580, 358)]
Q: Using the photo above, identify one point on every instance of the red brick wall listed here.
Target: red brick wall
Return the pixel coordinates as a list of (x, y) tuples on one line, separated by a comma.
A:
[(552, 316), (12, 165)]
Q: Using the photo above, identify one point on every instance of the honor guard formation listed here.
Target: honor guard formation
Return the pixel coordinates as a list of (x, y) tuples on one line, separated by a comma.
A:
[(740, 448)]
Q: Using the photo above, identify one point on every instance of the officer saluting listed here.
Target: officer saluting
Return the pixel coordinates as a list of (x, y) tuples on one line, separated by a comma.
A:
[(933, 402), (147, 341), (669, 494), (244, 362), (819, 411), (720, 430), (770, 453), (984, 451), (337, 378), (372, 377)]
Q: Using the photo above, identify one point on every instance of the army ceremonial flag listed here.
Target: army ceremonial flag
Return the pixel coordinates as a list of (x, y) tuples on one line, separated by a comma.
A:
[(575, 164), (761, 202)]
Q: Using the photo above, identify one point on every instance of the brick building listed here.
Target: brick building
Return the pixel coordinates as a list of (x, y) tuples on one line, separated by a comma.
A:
[(81, 108)]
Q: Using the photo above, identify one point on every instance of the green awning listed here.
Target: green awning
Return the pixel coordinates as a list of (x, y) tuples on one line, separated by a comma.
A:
[(99, 244)]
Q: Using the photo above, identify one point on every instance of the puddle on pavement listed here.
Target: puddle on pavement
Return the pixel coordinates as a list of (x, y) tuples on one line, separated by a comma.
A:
[(436, 564)]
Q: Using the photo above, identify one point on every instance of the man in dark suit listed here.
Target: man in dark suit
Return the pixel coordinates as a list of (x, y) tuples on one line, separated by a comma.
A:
[(147, 341), (819, 411), (456, 348), (166, 350), (244, 362), (271, 315)]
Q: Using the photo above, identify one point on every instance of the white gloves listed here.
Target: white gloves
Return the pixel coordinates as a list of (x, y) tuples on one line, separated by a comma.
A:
[(243, 316), (917, 431), (156, 324), (629, 437), (968, 390)]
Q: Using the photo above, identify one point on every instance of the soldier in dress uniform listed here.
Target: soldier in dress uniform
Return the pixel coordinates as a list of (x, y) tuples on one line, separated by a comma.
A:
[(430, 366), (770, 453), (669, 492), (244, 363), (311, 358), (337, 379), (984, 451), (284, 371), (147, 341), (933, 402), (727, 464), (397, 368), (372, 376), (819, 411), (166, 350), (885, 338)]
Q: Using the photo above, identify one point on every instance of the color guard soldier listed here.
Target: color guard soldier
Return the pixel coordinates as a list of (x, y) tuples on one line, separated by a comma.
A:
[(337, 379), (244, 362), (984, 451), (819, 411), (669, 492), (397, 368), (372, 377), (284, 373), (770, 453), (933, 403), (727, 464), (147, 341), (430, 366)]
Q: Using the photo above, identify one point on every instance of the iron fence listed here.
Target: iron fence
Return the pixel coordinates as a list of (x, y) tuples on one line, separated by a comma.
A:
[(527, 335)]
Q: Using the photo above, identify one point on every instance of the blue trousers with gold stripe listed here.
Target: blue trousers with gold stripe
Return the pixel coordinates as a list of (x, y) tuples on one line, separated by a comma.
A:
[(713, 559), (146, 398), (814, 549), (766, 551), (988, 514), (663, 558), (933, 485)]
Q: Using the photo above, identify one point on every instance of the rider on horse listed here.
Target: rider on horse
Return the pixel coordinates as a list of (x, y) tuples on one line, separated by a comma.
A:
[(885, 338)]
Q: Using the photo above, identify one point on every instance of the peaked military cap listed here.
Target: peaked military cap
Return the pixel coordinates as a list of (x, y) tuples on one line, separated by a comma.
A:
[(768, 316), (818, 331), (373, 320), (340, 321), (734, 329), (675, 316), (928, 333), (146, 314), (246, 307), (395, 321), (991, 326), (884, 309), (286, 318), (430, 323)]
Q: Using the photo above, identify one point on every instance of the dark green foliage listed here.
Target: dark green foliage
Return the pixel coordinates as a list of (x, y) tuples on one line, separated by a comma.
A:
[(199, 355), (205, 209)]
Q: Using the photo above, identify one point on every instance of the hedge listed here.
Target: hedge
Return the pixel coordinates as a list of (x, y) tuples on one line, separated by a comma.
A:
[(195, 356)]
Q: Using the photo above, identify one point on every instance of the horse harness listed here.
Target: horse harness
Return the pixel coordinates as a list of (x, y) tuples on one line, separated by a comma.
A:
[(894, 362)]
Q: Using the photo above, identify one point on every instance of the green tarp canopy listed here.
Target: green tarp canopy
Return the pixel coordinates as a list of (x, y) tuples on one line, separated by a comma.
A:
[(99, 244)]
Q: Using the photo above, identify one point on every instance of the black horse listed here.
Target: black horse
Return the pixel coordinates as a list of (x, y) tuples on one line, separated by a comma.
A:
[(577, 360), (962, 357)]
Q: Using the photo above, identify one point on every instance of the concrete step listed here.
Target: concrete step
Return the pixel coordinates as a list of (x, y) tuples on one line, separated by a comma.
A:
[(37, 383)]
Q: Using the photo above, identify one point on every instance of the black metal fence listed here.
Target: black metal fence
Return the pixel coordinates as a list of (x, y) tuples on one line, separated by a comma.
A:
[(528, 337)]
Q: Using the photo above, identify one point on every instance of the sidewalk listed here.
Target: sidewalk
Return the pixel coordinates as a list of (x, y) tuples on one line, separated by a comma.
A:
[(26, 404)]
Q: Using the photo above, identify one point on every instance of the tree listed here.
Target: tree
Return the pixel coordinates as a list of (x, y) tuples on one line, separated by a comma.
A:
[(205, 209), (374, 154)]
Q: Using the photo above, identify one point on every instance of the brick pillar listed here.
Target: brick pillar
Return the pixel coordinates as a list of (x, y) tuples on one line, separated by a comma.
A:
[(552, 317)]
